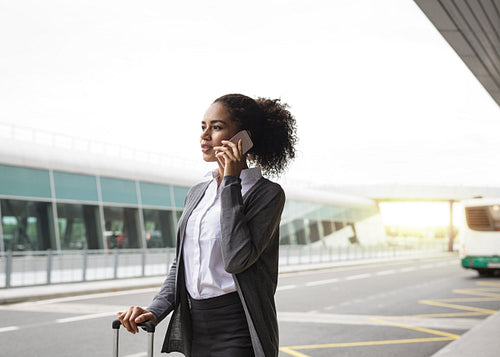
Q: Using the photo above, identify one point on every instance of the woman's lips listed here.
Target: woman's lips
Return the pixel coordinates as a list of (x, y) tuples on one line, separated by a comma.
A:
[(205, 148)]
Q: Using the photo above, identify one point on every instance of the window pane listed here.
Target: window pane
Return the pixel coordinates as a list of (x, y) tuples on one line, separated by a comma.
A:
[(153, 194), (75, 186), (23, 181), (328, 227), (314, 233), (300, 228), (160, 228), (27, 225), (180, 194), (122, 228), (79, 226), (287, 235), (118, 190)]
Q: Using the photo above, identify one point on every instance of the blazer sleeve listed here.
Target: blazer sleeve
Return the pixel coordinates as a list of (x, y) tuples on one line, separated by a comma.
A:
[(247, 229), (163, 302)]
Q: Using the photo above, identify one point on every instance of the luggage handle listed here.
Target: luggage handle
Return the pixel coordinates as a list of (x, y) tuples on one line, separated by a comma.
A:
[(149, 326)]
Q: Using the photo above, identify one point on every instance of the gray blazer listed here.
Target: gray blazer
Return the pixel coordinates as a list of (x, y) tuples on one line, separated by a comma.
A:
[(250, 242)]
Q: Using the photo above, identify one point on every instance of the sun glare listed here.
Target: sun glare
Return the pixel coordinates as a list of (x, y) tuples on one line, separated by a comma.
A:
[(415, 214)]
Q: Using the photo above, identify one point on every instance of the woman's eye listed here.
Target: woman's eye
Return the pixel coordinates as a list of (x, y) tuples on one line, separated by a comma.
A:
[(217, 127)]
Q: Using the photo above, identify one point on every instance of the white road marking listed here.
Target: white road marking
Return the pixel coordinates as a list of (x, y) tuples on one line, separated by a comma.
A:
[(356, 277), (386, 272), (322, 282), (404, 270), (360, 276), (58, 321), (61, 305), (9, 328), (65, 308), (428, 266), (442, 264), (92, 296), (85, 317)]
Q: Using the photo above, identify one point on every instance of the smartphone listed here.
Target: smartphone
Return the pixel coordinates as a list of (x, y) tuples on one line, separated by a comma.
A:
[(246, 142)]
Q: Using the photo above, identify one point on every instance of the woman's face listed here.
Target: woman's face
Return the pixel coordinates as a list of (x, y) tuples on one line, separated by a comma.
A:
[(215, 127)]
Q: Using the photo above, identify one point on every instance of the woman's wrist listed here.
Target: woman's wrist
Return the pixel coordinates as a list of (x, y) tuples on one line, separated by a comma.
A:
[(232, 172), (230, 179)]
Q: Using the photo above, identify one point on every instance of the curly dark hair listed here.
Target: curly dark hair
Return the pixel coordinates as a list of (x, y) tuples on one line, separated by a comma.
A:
[(272, 128)]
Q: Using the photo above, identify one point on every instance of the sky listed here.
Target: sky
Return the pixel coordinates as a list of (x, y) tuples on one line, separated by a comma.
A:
[(378, 94)]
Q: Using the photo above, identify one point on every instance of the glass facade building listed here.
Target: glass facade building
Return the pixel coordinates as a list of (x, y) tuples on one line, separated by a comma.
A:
[(44, 209)]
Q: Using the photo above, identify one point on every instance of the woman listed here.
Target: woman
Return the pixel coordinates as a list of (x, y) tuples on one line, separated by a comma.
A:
[(221, 285)]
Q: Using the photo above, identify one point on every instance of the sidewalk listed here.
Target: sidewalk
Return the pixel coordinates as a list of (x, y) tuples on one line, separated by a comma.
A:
[(40, 292), (482, 340)]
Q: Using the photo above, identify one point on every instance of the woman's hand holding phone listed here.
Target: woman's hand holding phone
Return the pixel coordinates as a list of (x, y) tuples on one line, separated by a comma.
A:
[(231, 155)]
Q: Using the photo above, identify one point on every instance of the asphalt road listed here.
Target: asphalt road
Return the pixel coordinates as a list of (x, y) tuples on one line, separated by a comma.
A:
[(393, 309)]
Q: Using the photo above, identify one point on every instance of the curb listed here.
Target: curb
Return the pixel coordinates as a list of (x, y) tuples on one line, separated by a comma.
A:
[(481, 340), (44, 292)]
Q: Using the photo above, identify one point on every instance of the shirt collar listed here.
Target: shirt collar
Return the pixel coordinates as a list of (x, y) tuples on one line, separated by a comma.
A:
[(247, 175), (251, 175), (213, 174)]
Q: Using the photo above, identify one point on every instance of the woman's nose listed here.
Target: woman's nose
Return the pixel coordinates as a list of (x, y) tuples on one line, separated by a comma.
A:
[(205, 134)]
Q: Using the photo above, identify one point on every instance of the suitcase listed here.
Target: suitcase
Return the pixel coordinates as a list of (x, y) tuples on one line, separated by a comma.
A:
[(147, 326)]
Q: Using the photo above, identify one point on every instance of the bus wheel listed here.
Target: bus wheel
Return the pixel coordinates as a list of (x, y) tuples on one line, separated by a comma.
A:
[(485, 272)]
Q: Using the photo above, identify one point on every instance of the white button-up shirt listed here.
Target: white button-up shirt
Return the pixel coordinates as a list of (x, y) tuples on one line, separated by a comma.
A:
[(202, 254)]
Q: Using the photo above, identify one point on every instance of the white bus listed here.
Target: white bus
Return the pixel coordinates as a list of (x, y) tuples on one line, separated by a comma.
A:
[(480, 235)]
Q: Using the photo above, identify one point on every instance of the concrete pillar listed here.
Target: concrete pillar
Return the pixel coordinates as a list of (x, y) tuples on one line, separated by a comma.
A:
[(451, 231)]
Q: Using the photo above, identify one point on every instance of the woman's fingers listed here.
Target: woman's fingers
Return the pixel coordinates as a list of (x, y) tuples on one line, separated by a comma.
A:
[(230, 157), (145, 317), (232, 150), (220, 158), (235, 148), (128, 321), (133, 316)]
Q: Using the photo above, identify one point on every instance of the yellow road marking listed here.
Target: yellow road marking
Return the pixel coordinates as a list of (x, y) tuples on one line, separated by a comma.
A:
[(292, 349), (450, 314), (458, 307), (491, 293), (420, 329), (292, 352), (478, 292), (476, 299), (488, 283)]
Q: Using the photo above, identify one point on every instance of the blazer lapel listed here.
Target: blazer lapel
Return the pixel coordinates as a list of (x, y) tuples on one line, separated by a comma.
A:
[(191, 203)]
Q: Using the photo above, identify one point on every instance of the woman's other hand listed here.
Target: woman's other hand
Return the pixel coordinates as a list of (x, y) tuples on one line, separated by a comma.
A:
[(231, 158), (133, 316)]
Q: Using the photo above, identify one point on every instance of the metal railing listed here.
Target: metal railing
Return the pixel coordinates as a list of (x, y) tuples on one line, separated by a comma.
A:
[(47, 267), (317, 254)]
